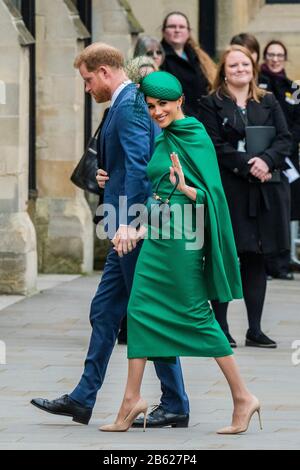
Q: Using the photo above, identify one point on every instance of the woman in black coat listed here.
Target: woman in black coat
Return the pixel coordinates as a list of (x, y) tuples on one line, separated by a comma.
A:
[(259, 209), (185, 59), (273, 78)]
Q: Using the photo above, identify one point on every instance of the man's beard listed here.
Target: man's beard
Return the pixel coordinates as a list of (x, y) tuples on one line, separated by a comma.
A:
[(103, 96)]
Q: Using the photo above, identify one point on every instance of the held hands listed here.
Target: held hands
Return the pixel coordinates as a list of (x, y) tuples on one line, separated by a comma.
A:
[(126, 239), (101, 178), (259, 169)]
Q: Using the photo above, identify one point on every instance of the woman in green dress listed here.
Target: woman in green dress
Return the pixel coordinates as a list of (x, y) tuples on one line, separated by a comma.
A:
[(169, 313)]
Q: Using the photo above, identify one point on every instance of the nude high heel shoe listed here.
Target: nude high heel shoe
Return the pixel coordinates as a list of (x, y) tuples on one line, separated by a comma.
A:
[(244, 424), (140, 407)]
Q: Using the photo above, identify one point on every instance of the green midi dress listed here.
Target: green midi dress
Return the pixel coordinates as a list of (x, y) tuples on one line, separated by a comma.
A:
[(169, 313)]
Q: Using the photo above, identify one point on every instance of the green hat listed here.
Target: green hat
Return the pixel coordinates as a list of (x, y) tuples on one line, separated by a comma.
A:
[(161, 85)]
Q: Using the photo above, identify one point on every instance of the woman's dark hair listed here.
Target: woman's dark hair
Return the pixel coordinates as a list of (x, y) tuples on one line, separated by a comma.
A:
[(175, 13), (275, 42), (249, 41)]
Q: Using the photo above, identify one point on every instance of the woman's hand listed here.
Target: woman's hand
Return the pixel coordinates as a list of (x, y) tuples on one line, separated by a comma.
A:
[(182, 186), (176, 168), (259, 169)]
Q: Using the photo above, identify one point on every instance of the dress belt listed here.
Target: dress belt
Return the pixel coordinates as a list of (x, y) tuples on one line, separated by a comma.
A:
[(258, 198)]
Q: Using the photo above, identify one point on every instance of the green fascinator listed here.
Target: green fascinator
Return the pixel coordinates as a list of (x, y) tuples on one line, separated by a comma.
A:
[(161, 85)]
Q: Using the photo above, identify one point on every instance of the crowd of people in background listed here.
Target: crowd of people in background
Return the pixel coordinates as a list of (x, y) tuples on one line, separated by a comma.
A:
[(228, 97)]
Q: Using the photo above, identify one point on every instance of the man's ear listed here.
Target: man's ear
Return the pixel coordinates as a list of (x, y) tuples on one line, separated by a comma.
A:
[(103, 71)]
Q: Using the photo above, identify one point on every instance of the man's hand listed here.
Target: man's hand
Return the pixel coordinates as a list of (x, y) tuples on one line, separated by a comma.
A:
[(101, 178), (259, 169), (125, 240)]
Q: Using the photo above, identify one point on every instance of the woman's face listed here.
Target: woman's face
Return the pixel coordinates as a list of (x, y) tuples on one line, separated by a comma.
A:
[(176, 31), (238, 69), (156, 53), (275, 58), (164, 112)]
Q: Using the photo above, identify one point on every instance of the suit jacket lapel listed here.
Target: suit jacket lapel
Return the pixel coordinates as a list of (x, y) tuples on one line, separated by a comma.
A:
[(228, 112), (109, 116), (258, 113), (103, 130)]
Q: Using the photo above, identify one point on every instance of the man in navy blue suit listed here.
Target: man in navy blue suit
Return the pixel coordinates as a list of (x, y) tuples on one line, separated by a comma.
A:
[(126, 144)]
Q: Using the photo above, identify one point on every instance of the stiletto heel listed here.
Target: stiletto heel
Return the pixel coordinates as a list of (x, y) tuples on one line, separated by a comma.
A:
[(259, 417), (145, 420), (255, 408), (140, 407)]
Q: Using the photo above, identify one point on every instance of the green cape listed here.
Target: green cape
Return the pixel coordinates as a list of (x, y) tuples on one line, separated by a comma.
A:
[(189, 139)]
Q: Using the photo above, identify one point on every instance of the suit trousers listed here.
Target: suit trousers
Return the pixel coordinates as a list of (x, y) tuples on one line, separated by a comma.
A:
[(108, 308)]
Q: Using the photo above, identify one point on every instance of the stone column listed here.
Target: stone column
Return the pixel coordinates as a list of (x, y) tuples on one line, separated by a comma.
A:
[(62, 217), (233, 17), (18, 255), (151, 14), (111, 24)]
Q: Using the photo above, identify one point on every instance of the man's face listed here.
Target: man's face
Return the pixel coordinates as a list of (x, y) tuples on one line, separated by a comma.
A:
[(96, 83)]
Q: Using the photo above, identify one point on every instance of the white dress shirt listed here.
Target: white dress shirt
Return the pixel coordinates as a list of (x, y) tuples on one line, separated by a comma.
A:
[(118, 91)]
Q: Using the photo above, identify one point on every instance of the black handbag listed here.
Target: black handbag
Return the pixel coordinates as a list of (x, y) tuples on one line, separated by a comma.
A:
[(157, 212), (84, 175)]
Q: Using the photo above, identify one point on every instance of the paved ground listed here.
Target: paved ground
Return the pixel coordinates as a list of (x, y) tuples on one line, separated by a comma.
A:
[(46, 338)]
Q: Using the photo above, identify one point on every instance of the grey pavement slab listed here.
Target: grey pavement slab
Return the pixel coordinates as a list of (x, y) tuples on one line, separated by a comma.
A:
[(46, 338)]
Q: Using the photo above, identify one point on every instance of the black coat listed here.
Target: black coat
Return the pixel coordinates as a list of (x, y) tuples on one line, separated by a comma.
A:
[(283, 90), (190, 75), (260, 212)]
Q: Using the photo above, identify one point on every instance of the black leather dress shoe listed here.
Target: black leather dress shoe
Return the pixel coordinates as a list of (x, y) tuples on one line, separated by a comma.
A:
[(64, 406), (159, 418), (260, 341)]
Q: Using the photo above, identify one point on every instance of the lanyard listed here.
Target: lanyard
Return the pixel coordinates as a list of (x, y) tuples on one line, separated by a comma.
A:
[(243, 115)]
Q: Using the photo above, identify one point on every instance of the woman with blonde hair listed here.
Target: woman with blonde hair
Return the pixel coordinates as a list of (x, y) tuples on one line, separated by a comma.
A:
[(259, 204), (186, 60)]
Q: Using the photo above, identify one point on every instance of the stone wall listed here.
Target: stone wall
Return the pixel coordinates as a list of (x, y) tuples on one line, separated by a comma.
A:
[(150, 14), (266, 22), (18, 255), (62, 217), (233, 17)]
